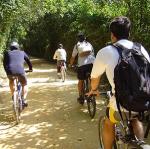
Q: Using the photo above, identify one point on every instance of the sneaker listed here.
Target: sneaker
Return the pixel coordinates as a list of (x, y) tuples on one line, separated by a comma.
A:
[(80, 99)]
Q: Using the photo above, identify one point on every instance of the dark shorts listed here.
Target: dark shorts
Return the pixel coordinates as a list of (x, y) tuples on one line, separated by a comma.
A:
[(21, 77), (82, 71)]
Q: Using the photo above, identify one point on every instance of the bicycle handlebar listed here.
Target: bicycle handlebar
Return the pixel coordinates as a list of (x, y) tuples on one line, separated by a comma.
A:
[(26, 71)]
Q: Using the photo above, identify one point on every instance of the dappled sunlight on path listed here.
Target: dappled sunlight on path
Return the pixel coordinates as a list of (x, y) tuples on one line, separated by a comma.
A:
[(53, 119)]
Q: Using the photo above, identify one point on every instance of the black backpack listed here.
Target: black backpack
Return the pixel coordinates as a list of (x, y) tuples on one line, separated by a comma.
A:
[(132, 79)]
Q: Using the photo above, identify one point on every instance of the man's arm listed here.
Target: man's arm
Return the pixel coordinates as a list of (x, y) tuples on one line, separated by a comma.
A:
[(55, 56), (94, 86), (5, 58), (26, 58), (72, 60), (74, 54), (95, 83), (99, 67)]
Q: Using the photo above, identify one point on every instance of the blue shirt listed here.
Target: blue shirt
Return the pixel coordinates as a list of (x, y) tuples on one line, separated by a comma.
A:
[(14, 62)]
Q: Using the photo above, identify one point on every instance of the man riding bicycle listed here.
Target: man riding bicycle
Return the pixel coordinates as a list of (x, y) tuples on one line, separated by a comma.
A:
[(13, 63), (60, 55), (106, 61), (86, 57)]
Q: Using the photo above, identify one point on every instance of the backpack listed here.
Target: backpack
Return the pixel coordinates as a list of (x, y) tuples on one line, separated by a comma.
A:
[(132, 79)]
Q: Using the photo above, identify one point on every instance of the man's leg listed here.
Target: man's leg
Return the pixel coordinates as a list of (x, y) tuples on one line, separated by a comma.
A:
[(108, 134), (24, 91), (80, 87), (23, 80), (11, 86), (138, 128)]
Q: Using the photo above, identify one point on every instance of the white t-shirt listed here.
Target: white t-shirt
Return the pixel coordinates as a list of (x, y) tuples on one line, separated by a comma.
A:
[(84, 47), (107, 59), (60, 54)]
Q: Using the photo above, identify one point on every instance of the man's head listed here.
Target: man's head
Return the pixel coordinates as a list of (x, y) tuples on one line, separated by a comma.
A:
[(60, 45), (81, 36), (120, 27), (14, 46)]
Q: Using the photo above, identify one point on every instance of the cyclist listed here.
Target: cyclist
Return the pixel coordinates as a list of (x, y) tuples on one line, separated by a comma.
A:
[(13, 63), (106, 60), (60, 55), (86, 57)]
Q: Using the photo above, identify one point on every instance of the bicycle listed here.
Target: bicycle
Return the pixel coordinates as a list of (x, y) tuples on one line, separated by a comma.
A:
[(124, 135), (91, 101), (17, 98)]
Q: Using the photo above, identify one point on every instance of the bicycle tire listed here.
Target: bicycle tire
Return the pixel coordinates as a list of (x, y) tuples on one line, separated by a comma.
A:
[(16, 108), (100, 128), (63, 73), (91, 104)]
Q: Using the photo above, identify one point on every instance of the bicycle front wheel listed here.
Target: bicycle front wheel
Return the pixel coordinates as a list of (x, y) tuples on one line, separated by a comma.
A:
[(100, 129), (91, 103), (16, 107)]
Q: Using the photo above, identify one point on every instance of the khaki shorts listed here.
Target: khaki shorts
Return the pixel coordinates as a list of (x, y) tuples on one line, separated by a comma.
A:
[(21, 77)]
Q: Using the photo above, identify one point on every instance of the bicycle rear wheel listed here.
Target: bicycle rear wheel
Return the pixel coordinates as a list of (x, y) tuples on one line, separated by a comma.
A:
[(63, 73), (91, 103)]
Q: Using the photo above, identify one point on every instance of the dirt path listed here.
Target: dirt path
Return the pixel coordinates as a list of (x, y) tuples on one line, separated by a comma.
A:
[(53, 120)]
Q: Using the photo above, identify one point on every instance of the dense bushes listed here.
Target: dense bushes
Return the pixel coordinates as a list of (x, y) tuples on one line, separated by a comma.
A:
[(40, 26)]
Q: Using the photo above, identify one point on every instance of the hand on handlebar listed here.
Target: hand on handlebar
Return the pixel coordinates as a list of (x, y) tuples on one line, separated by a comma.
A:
[(30, 70), (91, 92)]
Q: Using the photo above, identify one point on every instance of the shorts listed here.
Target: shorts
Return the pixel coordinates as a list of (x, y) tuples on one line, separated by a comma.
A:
[(82, 71), (21, 77), (112, 112), (59, 64)]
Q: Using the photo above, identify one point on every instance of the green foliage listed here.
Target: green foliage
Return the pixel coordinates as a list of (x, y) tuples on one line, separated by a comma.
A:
[(41, 25)]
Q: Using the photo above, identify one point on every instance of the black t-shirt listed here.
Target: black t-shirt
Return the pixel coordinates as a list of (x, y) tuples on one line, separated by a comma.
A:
[(14, 62)]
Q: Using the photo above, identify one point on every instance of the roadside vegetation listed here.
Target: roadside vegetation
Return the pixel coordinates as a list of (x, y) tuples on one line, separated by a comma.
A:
[(39, 26)]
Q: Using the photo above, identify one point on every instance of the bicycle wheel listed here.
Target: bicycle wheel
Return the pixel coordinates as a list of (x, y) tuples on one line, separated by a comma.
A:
[(16, 107), (100, 129), (63, 73), (91, 103)]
